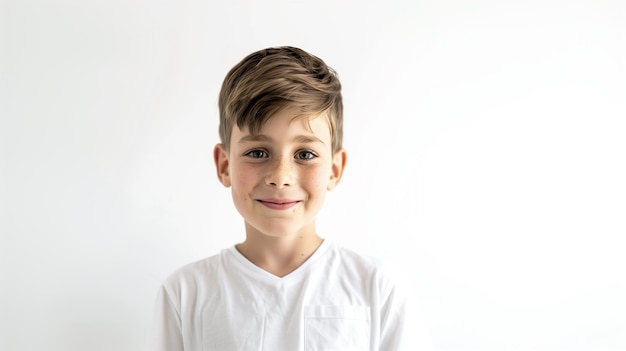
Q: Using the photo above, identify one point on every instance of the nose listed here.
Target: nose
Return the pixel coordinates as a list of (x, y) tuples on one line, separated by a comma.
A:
[(280, 173)]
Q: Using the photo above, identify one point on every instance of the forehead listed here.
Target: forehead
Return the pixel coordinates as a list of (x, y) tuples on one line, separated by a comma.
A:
[(289, 121)]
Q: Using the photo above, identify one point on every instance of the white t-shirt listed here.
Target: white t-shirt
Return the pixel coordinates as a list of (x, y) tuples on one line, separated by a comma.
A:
[(336, 300)]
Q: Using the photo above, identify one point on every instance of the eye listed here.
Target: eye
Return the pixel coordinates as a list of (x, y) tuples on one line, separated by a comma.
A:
[(305, 155), (257, 153)]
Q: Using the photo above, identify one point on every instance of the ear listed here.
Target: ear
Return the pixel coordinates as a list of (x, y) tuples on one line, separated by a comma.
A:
[(222, 165), (339, 163)]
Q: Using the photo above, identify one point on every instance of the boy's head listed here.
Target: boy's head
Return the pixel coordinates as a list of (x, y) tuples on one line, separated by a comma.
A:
[(280, 125), (274, 79)]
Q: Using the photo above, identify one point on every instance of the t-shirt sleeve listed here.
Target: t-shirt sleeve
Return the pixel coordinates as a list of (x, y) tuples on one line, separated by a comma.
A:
[(402, 324), (166, 330), (393, 320)]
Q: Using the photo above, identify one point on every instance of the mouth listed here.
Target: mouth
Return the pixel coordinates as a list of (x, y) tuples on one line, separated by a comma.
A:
[(279, 204)]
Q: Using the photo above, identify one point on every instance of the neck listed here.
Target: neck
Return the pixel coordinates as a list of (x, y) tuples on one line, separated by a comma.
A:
[(278, 255)]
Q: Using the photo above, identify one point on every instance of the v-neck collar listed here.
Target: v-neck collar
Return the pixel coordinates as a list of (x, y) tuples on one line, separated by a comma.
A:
[(260, 273)]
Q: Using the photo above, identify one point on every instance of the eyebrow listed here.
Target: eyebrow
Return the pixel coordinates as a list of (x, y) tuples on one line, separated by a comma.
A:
[(305, 139)]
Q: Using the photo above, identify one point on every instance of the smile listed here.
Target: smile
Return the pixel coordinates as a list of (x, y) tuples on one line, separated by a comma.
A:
[(279, 205)]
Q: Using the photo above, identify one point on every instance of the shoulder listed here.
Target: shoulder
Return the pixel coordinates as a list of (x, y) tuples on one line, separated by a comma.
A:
[(362, 265), (366, 274), (194, 275), (354, 258)]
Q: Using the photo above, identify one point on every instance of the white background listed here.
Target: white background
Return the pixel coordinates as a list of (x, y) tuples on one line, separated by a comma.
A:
[(487, 161)]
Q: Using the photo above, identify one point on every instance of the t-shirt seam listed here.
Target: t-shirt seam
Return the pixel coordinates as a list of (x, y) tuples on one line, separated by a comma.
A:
[(172, 302)]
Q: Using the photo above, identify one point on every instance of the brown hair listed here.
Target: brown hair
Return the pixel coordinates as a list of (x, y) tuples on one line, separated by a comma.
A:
[(270, 80)]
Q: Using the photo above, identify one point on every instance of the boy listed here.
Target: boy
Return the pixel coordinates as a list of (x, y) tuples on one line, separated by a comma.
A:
[(283, 287)]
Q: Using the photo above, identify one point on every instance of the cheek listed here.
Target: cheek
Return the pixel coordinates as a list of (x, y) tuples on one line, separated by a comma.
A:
[(241, 184), (319, 180)]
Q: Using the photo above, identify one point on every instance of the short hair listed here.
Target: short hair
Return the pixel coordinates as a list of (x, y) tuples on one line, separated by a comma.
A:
[(273, 79)]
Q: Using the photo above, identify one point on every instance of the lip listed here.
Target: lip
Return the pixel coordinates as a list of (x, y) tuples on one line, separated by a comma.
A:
[(278, 204)]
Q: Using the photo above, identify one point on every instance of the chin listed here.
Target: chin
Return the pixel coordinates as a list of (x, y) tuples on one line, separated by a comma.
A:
[(279, 230)]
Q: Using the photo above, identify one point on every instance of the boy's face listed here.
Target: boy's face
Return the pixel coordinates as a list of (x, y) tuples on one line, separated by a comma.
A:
[(279, 177)]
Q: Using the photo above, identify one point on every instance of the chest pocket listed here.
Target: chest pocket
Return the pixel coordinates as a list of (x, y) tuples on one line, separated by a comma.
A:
[(334, 328)]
